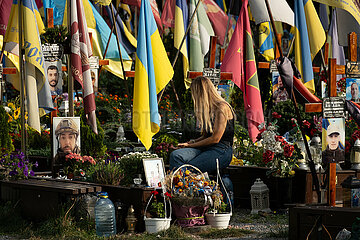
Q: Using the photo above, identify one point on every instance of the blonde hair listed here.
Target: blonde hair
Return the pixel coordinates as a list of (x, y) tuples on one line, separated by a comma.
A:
[(206, 101)]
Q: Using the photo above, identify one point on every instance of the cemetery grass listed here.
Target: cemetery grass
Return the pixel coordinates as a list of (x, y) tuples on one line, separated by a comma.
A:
[(70, 226)]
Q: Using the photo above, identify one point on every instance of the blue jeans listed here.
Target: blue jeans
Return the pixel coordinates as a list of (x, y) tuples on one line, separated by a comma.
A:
[(203, 158)]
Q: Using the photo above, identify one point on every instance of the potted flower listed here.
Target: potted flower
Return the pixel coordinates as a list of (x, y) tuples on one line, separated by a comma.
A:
[(158, 220), (75, 165), (218, 215)]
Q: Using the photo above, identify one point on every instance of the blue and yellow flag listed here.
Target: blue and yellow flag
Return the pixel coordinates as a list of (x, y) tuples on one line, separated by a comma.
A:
[(152, 72), (181, 23), (309, 38), (100, 36), (266, 41)]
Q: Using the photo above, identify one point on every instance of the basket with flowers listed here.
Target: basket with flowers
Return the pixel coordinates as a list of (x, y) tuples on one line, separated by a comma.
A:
[(190, 191)]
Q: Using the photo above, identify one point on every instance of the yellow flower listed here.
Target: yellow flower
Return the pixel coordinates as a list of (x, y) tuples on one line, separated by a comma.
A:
[(11, 105), (17, 113), (292, 172), (10, 118)]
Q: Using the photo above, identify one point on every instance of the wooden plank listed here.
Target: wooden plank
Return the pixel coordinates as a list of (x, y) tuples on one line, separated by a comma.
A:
[(50, 17), (9, 70), (352, 47), (264, 65), (212, 54), (90, 187), (223, 75), (102, 62), (130, 74), (332, 184), (42, 188), (340, 69), (332, 77), (313, 107)]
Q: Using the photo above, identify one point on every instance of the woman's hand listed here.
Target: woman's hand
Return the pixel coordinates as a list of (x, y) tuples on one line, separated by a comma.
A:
[(183, 145)]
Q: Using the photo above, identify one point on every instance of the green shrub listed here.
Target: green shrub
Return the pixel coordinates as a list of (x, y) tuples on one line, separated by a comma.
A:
[(6, 145), (91, 144), (106, 172)]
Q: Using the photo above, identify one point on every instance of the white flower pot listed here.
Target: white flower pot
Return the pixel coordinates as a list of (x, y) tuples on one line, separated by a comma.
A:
[(154, 225), (218, 220)]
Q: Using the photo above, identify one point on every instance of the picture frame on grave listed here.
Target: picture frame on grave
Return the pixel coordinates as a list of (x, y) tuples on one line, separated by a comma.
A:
[(94, 68), (54, 76), (279, 92), (352, 89), (154, 171), (66, 136), (224, 91), (333, 137)]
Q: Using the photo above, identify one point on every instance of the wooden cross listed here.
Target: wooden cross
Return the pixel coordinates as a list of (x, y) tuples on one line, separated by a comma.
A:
[(333, 70), (212, 56)]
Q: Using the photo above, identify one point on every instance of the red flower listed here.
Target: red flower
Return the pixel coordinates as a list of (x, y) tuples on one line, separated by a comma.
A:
[(268, 156), (276, 115), (168, 194), (154, 193), (288, 150), (347, 146), (306, 124), (356, 135), (312, 131)]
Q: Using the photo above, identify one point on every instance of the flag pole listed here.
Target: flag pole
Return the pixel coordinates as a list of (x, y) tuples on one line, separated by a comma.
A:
[(228, 22), (178, 52), (311, 162), (121, 59), (22, 82), (70, 77)]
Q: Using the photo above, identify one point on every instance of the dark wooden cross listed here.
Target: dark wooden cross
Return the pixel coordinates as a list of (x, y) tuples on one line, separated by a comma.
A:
[(333, 70), (212, 57)]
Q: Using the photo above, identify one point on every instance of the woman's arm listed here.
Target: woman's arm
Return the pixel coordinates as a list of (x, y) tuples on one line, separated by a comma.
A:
[(218, 130)]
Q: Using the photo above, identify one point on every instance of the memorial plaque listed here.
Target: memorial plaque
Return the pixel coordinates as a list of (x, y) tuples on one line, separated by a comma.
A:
[(94, 62), (52, 52), (352, 69), (273, 67), (333, 107), (213, 74)]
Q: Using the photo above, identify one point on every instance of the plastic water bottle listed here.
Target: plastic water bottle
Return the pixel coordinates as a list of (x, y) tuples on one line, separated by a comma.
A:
[(229, 188), (105, 216)]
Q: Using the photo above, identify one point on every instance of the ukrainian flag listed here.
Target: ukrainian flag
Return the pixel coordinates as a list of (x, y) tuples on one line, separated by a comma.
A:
[(266, 41), (309, 38), (181, 22), (152, 73)]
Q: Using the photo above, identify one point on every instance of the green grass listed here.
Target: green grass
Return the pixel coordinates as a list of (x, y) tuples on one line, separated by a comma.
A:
[(71, 226), (225, 233)]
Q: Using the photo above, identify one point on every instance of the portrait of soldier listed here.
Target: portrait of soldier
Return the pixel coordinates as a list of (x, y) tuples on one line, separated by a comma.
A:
[(53, 78), (355, 92), (67, 139), (333, 152)]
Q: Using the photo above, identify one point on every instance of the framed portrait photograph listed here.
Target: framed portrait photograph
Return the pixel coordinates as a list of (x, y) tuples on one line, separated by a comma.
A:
[(66, 135), (333, 140), (154, 171), (352, 89), (94, 79), (54, 76), (279, 93)]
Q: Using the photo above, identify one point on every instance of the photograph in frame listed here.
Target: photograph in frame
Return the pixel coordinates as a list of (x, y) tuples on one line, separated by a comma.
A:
[(352, 89), (154, 171), (333, 139), (54, 76), (66, 135)]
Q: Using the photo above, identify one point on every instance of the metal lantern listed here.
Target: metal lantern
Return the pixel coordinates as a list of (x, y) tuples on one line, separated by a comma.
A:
[(131, 220), (302, 163), (356, 155), (315, 150), (259, 197)]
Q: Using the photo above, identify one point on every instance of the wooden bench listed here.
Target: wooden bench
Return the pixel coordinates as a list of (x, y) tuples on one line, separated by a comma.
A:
[(303, 219), (40, 198)]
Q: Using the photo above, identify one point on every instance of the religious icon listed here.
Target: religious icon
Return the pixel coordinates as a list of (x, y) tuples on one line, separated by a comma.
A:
[(154, 171)]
